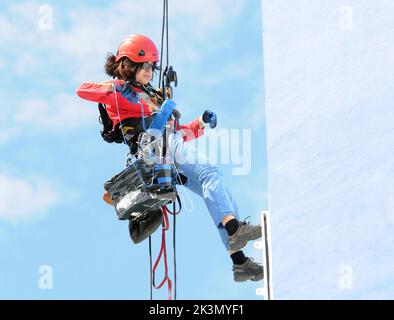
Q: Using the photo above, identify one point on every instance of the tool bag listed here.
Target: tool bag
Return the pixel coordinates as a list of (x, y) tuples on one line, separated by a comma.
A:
[(138, 193)]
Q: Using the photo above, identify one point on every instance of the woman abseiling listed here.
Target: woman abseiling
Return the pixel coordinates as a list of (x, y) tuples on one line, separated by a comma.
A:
[(128, 97)]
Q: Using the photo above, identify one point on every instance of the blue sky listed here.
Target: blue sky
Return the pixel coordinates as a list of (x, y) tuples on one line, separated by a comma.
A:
[(53, 162)]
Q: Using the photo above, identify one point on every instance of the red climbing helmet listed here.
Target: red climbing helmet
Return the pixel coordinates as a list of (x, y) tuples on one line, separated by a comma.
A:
[(138, 48)]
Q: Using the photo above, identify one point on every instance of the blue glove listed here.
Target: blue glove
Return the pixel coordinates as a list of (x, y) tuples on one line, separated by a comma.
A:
[(210, 117), (127, 92)]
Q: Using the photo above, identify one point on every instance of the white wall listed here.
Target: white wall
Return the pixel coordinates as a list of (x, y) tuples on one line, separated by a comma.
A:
[(329, 82)]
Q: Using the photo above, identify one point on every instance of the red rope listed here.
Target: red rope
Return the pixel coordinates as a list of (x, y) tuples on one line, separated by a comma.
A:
[(163, 252)]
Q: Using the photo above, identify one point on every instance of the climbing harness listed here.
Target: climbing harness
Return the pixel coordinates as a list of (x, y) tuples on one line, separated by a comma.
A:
[(141, 192)]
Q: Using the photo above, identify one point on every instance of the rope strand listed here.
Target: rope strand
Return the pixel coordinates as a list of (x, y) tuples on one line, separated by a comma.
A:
[(165, 210), (174, 248), (150, 268), (163, 252)]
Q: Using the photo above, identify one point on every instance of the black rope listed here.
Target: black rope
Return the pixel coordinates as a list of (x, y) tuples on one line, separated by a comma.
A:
[(161, 80), (161, 48), (168, 55), (174, 246), (179, 202), (164, 33), (150, 267)]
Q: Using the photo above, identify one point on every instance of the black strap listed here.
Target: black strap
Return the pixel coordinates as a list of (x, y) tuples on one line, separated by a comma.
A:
[(174, 246), (109, 133), (105, 119)]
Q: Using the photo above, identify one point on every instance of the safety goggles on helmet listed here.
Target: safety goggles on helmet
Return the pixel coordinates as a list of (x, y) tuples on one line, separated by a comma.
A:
[(146, 66)]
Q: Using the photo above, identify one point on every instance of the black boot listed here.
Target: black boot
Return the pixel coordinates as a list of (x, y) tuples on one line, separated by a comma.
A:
[(250, 270)]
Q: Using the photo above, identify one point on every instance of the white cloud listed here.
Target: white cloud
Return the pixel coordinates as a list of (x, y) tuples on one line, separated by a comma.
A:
[(6, 29), (207, 15), (23, 200), (24, 64), (61, 112)]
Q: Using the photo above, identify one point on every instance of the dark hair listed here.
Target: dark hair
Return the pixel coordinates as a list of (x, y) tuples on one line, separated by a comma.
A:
[(124, 69)]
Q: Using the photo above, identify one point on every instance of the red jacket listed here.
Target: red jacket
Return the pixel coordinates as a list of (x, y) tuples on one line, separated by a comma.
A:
[(103, 92)]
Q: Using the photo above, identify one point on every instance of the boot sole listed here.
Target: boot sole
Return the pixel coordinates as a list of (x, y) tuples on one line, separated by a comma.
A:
[(243, 278)]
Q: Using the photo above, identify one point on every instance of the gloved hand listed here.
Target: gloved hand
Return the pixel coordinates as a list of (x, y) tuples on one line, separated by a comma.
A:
[(176, 113), (210, 117), (127, 92)]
